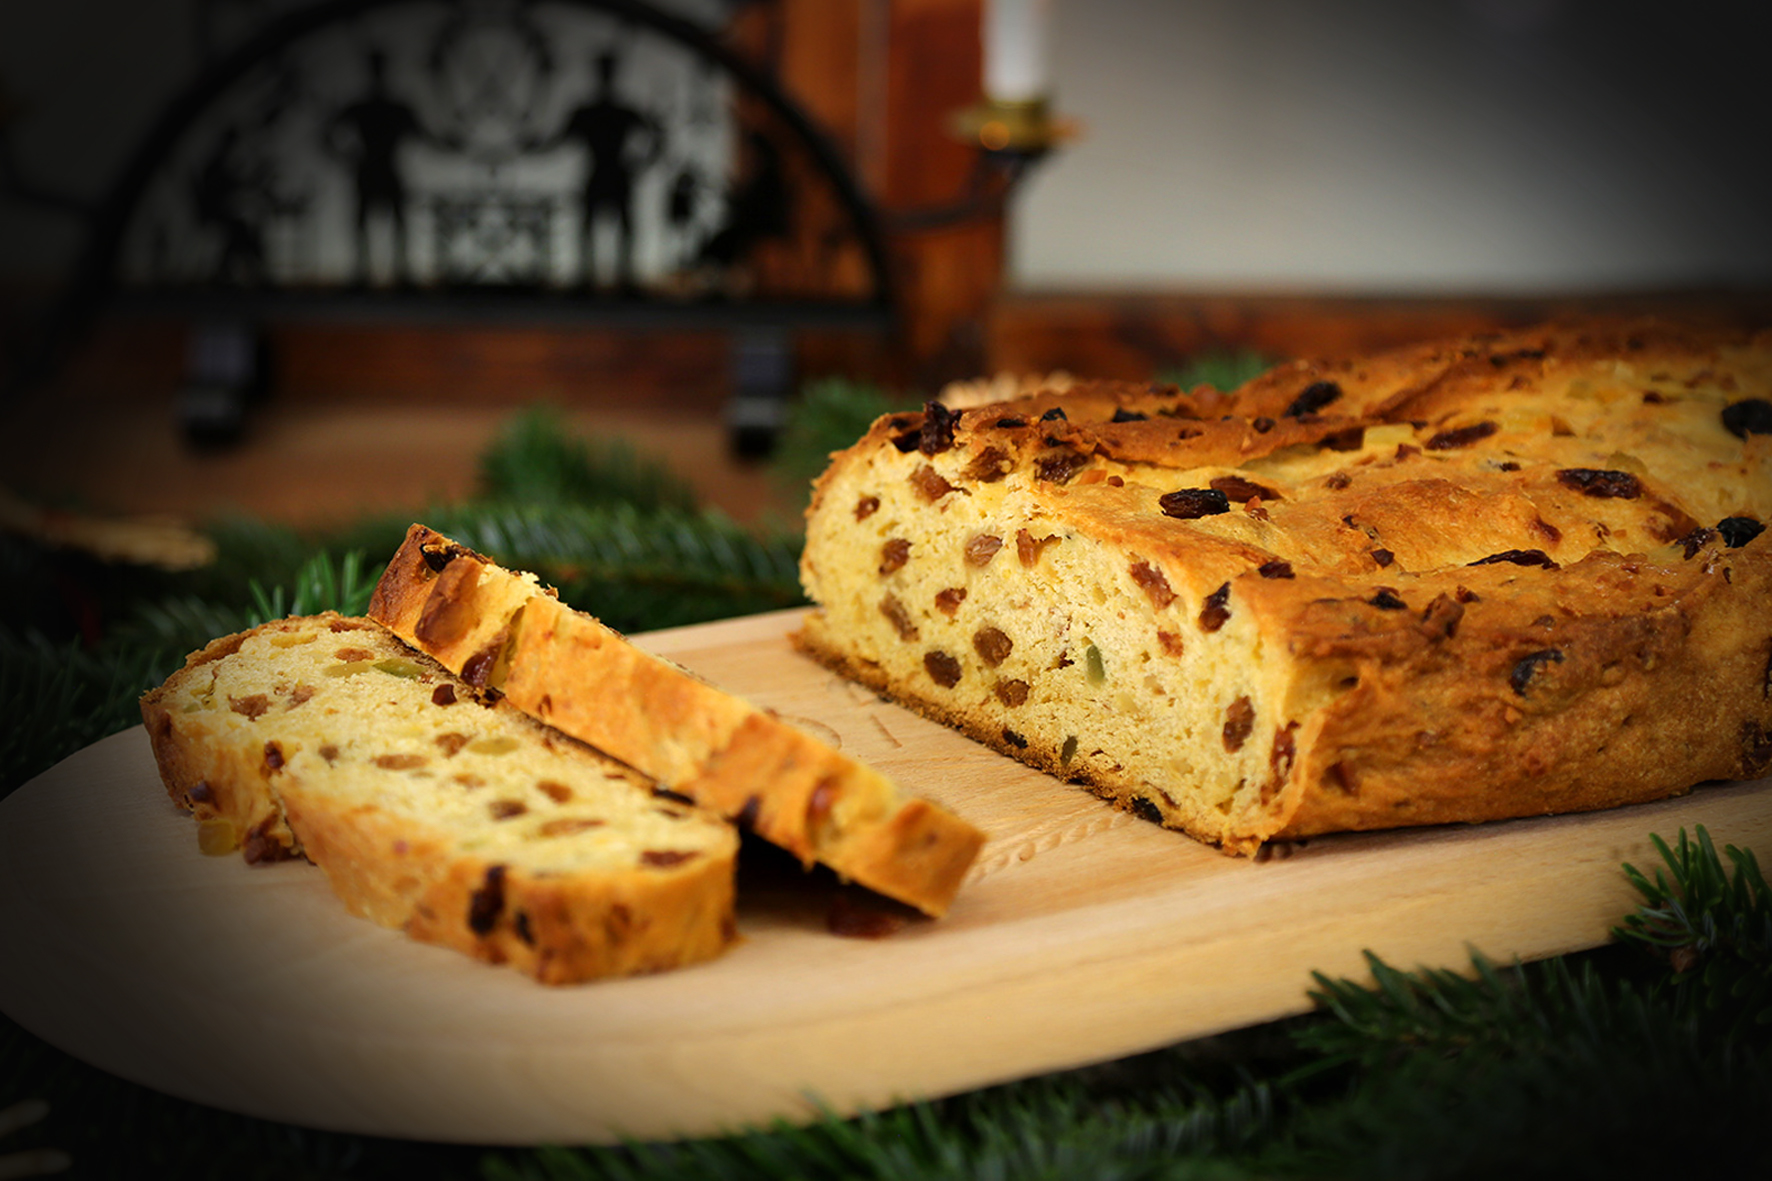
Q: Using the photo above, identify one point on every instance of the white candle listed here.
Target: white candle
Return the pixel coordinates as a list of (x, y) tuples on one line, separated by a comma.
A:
[(1017, 37)]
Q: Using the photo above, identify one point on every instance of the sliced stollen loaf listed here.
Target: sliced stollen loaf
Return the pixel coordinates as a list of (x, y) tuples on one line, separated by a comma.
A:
[(1473, 580), (504, 632), (464, 824)]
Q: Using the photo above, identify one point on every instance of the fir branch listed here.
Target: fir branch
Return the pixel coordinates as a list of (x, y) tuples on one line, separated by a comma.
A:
[(248, 549), (1052, 1127), (58, 698), (1491, 1013), (322, 584), (632, 568), (1550, 1068), (1224, 370), (538, 460), (828, 416), (1635, 1103), (1713, 928)]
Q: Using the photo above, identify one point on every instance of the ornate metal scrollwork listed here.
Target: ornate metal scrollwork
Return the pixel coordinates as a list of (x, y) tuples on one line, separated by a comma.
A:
[(569, 147)]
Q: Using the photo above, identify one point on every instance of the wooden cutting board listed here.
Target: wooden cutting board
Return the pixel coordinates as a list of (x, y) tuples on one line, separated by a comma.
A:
[(1083, 934)]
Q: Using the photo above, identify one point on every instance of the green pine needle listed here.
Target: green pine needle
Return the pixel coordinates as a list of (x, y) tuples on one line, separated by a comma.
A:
[(1552, 1067), (1055, 1127), (59, 697), (1713, 928), (537, 460), (1221, 370), (321, 584), (828, 416), (632, 568)]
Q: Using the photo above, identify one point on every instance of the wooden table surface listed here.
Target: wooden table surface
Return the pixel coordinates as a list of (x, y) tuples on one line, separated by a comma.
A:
[(1083, 934)]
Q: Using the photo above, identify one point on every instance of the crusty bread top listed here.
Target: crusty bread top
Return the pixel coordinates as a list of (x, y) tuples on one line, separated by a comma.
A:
[(1468, 461)]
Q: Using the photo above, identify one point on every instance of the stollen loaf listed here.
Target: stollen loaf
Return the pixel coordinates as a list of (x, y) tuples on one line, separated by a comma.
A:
[(1495, 577)]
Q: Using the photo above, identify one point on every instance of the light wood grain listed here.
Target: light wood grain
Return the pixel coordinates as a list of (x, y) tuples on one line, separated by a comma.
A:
[(1082, 935)]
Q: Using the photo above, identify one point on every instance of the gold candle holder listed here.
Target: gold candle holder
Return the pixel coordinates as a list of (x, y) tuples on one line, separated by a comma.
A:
[(1023, 127)]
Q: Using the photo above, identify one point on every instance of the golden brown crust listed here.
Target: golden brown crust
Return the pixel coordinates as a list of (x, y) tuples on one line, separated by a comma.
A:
[(223, 786), (465, 824), (1463, 581), (563, 928), (568, 669)]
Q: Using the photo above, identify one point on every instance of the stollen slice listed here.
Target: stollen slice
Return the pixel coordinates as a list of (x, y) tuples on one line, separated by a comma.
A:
[(503, 631)]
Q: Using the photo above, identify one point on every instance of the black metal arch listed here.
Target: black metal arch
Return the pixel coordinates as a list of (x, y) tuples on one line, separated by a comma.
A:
[(95, 275)]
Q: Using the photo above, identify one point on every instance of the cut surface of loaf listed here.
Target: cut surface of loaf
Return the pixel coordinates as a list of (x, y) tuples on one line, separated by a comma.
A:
[(503, 632), (1464, 581), (463, 824)]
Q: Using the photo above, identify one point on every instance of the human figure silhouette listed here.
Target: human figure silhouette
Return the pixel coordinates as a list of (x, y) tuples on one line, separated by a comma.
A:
[(622, 142), (224, 192), (757, 209), (680, 203), (368, 135)]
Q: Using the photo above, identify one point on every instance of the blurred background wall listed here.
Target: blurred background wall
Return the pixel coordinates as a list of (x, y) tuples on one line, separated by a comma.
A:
[(1282, 177), (1499, 146), (1406, 145)]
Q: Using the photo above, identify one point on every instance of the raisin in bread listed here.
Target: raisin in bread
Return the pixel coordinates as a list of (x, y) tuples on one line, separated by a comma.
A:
[(1491, 578), (504, 632), (464, 824)]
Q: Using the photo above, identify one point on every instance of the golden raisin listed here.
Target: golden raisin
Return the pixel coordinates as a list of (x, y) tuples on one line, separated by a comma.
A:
[(992, 645), (895, 613), (894, 554), (1028, 549), (943, 669), (981, 549), (929, 485), (217, 838), (1012, 693), (991, 465), (1240, 491), (1153, 583), (1239, 723), (561, 826)]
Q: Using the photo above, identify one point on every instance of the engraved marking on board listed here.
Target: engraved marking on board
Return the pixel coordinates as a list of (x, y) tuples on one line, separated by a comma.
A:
[(816, 729), (884, 732), (1032, 844), (858, 694)]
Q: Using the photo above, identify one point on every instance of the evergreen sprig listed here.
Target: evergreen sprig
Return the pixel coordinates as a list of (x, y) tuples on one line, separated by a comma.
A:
[(1054, 1127), (633, 568), (1220, 370), (1551, 1067), (57, 697), (536, 459), (1714, 930), (828, 416), (321, 584)]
